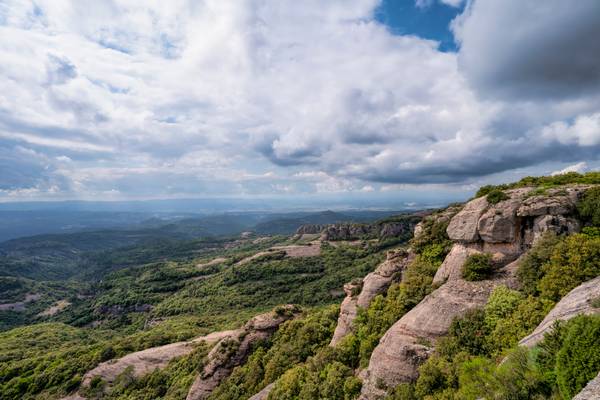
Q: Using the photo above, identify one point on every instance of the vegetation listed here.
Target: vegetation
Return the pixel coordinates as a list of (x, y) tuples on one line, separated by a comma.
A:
[(589, 207), (495, 196), (478, 267), (545, 182)]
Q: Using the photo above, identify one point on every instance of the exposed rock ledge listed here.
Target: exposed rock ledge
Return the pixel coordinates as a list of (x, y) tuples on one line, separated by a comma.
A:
[(234, 350), (576, 302), (373, 284), (148, 360)]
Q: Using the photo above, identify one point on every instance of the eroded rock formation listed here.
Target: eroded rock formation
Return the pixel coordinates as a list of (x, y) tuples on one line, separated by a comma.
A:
[(361, 293), (234, 350)]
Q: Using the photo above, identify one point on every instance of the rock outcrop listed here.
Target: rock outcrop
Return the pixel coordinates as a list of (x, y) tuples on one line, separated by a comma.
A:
[(146, 361), (361, 293), (505, 230), (234, 350), (591, 391), (576, 302)]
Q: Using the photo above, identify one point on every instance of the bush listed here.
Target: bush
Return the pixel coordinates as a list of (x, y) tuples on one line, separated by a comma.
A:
[(495, 196), (530, 268), (524, 318), (574, 260), (578, 360), (477, 267), (501, 304), (469, 332), (517, 378), (589, 207)]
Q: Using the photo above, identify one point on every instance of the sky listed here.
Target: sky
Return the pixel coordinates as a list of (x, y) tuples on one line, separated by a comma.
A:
[(132, 99)]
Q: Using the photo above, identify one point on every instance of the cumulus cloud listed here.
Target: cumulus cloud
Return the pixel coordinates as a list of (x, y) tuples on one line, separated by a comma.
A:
[(240, 97)]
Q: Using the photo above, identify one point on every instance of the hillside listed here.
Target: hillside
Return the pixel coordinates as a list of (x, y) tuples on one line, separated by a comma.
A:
[(467, 309)]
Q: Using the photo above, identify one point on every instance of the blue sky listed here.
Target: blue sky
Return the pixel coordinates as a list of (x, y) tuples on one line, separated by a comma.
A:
[(426, 19), (132, 99)]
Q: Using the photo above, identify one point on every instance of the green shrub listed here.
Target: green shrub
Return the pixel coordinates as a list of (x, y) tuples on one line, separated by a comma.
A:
[(524, 318), (530, 270), (495, 196), (501, 304), (469, 332), (517, 378), (574, 260), (589, 207), (477, 267), (578, 360), (589, 178)]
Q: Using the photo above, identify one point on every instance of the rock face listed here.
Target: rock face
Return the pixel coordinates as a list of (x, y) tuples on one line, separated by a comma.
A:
[(463, 227), (234, 350), (576, 302), (360, 294), (591, 391), (408, 343)]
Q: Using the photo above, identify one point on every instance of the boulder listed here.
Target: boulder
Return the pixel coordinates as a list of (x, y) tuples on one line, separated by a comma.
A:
[(499, 223), (463, 226), (576, 302), (591, 391), (233, 351), (546, 205)]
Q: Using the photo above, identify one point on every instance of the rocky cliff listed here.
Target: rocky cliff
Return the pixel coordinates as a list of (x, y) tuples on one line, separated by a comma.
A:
[(505, 230)]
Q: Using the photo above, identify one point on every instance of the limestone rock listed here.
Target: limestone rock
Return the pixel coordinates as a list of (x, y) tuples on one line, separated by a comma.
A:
[(591, 391), (233, 351), (576, 302), (463, 227), (409, 341)]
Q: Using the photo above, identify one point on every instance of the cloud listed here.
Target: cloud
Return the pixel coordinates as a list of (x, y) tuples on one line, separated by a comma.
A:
[(528, 49), (579, 167), (242, 97)]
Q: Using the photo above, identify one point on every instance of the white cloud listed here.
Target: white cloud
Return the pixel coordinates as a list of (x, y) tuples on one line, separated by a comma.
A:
[(579, 167)]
